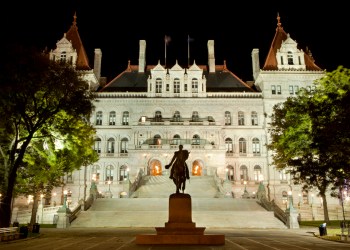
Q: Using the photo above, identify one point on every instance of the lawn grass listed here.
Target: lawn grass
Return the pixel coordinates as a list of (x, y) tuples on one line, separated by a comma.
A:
[(334, 230)]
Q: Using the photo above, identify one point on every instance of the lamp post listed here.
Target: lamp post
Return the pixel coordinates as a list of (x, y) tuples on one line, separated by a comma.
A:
[(226, 173), (65, 192), (290, 198), (109, 186), (245, 186)]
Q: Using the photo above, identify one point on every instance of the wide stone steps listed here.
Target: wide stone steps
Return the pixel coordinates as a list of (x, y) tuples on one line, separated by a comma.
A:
[(150, 208)]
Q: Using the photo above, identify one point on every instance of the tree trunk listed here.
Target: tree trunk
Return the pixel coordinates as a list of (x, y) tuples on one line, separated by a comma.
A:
[(325, 207), (33, 218), (6, 202)]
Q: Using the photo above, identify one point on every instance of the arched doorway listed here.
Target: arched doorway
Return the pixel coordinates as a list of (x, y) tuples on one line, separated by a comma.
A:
[(155, 168), (197, 168)]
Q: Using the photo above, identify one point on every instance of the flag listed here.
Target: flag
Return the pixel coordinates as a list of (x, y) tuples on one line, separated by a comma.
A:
[(167, 39)]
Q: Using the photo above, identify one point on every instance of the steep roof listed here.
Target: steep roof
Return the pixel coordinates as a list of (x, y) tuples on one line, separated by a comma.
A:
[(73, 36), (222, 80), (280, 36)]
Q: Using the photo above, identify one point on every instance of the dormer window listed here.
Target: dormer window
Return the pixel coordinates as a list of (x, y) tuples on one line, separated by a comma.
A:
[(289, 57), (176, 85), (194, 85), (158, 85)]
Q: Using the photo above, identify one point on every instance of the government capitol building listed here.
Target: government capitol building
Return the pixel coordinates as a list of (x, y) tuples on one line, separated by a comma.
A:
[(144, 113)]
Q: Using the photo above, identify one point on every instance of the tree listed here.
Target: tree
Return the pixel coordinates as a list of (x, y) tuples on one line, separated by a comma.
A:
[(34, 91), (308, 131), (48, 159)]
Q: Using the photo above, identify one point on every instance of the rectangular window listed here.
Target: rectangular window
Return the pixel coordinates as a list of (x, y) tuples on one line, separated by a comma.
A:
[(279, 91), (273, 89), (291, 90), (296, 89)]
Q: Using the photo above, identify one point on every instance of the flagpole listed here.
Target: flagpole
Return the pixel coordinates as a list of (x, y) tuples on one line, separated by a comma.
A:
[(188, 50), (165, 51)]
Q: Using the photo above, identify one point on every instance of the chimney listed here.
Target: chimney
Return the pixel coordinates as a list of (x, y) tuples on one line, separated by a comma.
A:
[(211, 56), (255, 63), (97, 64), (142, 56)]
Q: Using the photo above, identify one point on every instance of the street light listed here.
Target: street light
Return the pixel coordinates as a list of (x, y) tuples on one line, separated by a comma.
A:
[(245, 186), (290, 197), (109, 186), (226, 173), (65, 192)]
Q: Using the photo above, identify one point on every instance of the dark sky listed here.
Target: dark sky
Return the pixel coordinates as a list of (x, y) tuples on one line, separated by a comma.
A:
[(236, 27)]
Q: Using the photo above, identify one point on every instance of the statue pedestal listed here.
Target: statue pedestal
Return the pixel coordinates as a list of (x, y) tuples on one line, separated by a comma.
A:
[(180, 229)]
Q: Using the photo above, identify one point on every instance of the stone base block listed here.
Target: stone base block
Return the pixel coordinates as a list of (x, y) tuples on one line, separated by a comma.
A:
[(208, 239)]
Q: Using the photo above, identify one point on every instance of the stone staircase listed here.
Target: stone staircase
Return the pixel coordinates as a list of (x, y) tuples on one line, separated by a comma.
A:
[(148, 207)]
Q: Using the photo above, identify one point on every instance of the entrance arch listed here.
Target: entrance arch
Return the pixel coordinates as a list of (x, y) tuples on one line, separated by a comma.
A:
[(197, 168), (155, 168)]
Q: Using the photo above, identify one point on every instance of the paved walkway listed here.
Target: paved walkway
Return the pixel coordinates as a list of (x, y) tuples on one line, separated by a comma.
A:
[(124, 239)]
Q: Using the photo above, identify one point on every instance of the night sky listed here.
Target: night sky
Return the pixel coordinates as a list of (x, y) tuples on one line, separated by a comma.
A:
[(236, 27)]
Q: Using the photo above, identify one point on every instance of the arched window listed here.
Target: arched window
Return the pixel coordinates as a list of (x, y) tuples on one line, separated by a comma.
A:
[(124, 145), (256, 146), (243, 173), (110, 145), (240, 118), (158, 116), (283, 175), (157, 140), (194, 85), (254, 118), (123, 173), (97, 145), (227, 118), (176, 85), (99, 118), (177, 116), (158, 85), (195, 117), (258, 174), (176, 139), (196, 140), (285, 198), (112, 118), (229, 145), (242, 146), (290, 58), (230, 173), (125, 118), (109, 173), (63, 57)]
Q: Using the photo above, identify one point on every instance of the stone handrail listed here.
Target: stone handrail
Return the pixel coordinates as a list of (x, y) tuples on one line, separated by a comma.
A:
[(137, 182)]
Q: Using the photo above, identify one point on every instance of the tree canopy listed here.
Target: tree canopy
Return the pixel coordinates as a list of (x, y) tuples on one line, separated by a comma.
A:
[(38, 97), (310, 134)]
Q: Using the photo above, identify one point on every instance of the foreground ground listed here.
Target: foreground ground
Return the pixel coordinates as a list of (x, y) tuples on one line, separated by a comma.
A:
[(124, 239)]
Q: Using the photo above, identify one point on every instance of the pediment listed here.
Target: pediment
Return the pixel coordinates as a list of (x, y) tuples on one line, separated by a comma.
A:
[(176, 67), (289, 45), (64, 42), (158, 67), (195, 67)]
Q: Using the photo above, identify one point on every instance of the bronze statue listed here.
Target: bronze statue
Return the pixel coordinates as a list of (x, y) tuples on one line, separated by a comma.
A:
[(179, 171)]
